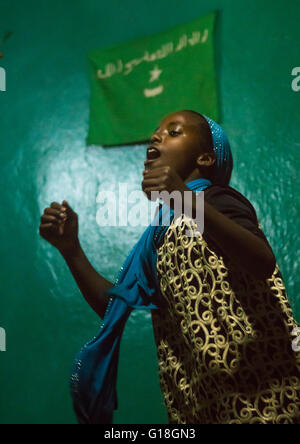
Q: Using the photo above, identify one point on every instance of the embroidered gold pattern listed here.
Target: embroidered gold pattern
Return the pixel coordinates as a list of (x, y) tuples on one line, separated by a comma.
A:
[(224, 339)]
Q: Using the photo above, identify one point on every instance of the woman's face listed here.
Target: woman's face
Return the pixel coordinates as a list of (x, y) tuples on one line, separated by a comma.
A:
[(177, 142)]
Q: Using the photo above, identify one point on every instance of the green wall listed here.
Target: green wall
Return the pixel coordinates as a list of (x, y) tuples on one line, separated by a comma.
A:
[(43, 125)]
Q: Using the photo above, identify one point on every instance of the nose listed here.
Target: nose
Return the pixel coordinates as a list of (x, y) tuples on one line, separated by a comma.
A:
[(155, 138)]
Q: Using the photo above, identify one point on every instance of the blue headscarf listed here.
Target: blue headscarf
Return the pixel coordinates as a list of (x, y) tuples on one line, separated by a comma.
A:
[(224, 164), (94, 374)]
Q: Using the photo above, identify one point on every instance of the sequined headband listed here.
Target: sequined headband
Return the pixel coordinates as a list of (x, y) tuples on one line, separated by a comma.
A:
[(221, 146)]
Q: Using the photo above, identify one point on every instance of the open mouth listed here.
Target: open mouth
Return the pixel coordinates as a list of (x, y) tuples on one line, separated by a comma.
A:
[(152, 153)]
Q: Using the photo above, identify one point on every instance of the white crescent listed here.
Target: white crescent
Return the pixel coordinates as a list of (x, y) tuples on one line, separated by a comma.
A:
[(154, 91)]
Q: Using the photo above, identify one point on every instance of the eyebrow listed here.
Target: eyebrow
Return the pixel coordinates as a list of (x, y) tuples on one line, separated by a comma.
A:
[(171, 123)]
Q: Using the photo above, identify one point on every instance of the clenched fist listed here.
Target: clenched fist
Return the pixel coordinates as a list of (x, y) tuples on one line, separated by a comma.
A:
[(59, 227), (161, 179)]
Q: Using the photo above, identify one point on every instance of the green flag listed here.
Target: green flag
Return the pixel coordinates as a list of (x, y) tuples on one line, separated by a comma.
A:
[(135, 85)]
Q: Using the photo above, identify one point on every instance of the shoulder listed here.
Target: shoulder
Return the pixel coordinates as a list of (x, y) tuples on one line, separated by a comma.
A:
[(236, 206), (227, 199)]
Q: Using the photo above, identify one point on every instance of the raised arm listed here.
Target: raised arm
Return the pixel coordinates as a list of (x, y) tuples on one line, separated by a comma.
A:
[(244, 247), (59, 226)]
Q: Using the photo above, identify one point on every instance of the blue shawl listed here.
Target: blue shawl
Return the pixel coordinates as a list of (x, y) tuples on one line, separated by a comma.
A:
[(94, 374)]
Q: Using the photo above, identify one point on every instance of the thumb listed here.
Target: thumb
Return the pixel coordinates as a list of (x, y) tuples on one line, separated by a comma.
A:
[(67, 206)]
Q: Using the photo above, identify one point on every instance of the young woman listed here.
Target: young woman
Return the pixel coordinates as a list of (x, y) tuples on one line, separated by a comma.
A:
[(222, 321)]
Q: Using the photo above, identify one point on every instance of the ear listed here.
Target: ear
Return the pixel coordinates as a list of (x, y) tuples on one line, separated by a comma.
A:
[(206, 159)]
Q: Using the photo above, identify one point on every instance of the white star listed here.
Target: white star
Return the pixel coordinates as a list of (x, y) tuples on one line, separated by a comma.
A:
[(155, 73)]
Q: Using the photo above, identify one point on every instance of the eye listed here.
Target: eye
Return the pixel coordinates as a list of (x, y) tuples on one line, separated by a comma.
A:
[(173, 132)]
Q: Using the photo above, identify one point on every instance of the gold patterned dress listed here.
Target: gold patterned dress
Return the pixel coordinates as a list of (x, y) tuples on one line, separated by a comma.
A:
[(224, 338)]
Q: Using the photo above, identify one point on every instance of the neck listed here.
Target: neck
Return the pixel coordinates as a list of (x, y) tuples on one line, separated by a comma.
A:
[(194, 176)]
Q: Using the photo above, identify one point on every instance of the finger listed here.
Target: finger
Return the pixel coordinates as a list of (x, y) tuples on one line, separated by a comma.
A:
[(151, 181), (53, 219), (68, 210), (45, 228), (154, 171), (157, 188), (56, 205), (152, 163), (58, 213), (148, 192), (67, 206), (154, 182), (50, 219)]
